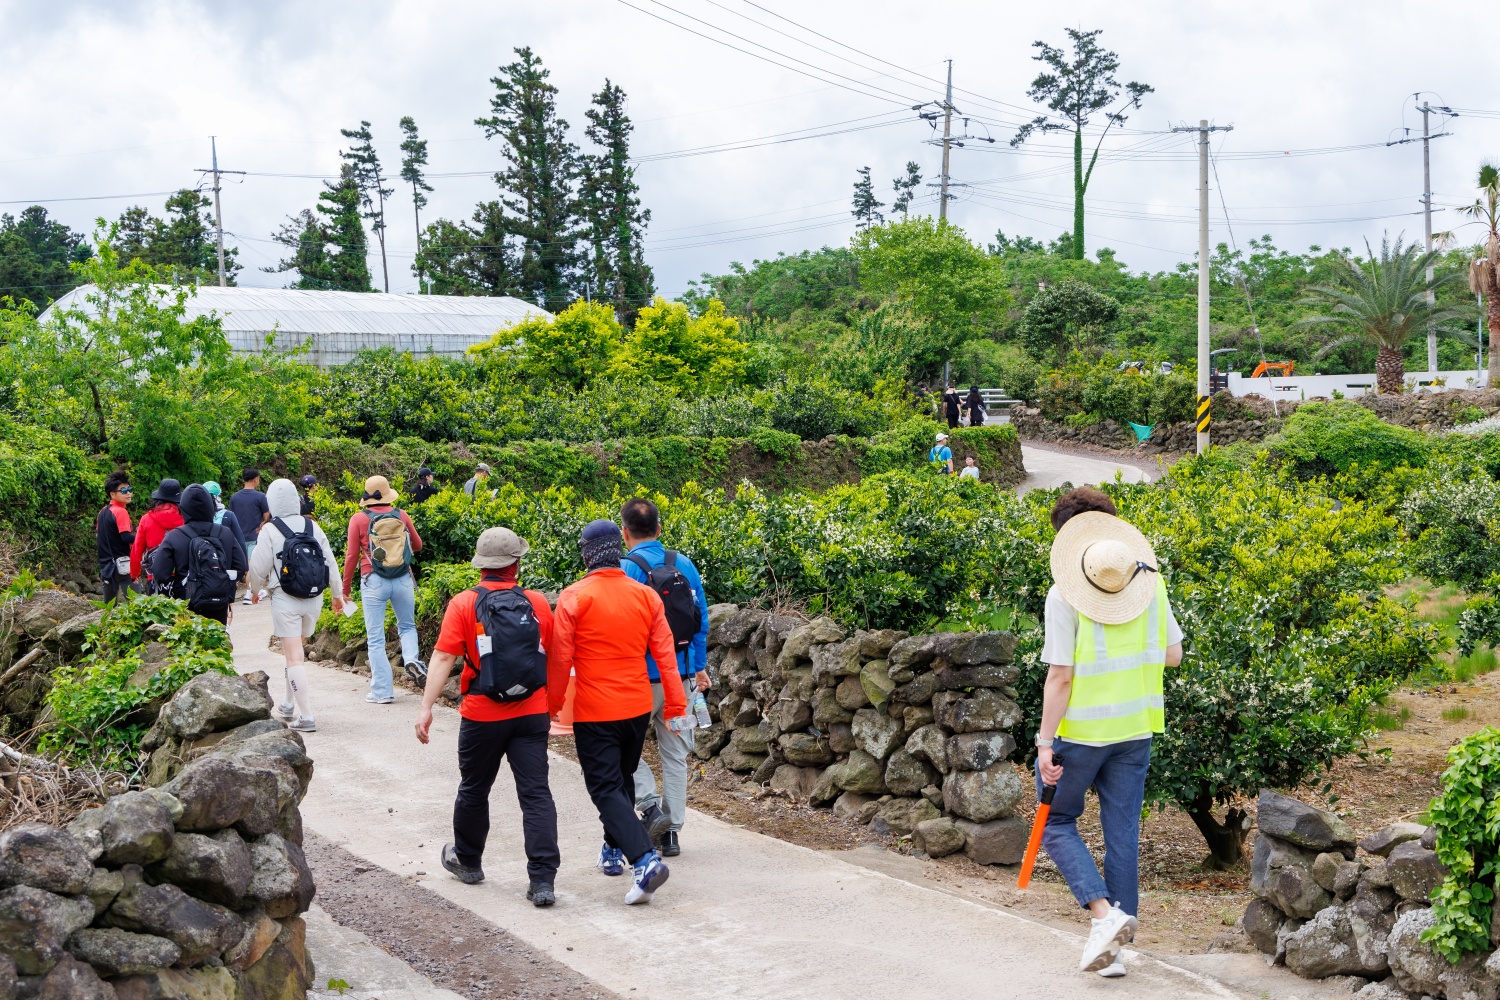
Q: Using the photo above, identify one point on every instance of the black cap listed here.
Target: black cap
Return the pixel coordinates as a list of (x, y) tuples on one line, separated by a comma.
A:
[(309, 481), (424, 472)]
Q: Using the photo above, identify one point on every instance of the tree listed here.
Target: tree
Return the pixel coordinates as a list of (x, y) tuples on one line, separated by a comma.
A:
[(184, 245), (906, 188), (692, 353), (1075, 89), (1382, 301), (572, 349), (365, 167), (866, 210), (610, 205), (413, 159), (347, 267), (303, 235), (460, 259), (1004, 245), (537, 183), (36, 254), (1068, 316), (1484, 273)]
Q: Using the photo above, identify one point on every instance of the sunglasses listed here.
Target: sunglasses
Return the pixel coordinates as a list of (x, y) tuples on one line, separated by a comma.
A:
[(125, 489)]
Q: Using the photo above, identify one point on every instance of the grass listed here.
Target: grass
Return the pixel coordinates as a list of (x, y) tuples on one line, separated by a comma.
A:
[(1441, 605), (1457, 713), (1388, 718), (1481, 661)]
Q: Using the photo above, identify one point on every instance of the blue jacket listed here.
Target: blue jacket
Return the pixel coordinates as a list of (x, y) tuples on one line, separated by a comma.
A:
[(695, 657)]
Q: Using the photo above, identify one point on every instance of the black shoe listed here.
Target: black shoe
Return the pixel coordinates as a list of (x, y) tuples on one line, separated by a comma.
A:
[(465, 874), (669, 846), (416, 672), (657, 825), (540, 894)]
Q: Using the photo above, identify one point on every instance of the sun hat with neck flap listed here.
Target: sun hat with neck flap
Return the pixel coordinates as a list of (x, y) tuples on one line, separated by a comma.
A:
[(498, 548), (1104, 567), (378, 491)]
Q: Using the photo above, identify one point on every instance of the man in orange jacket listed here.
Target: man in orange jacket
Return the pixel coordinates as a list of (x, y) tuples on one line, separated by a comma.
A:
[(604, 626)]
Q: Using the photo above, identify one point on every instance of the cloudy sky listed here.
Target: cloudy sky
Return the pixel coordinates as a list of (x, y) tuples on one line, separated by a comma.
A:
[(109, 105)]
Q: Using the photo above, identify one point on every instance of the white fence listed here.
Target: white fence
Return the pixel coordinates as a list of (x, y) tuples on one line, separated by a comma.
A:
[(1299, 387)]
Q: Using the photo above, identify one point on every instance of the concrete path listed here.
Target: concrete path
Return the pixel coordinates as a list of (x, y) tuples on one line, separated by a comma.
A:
[(1047, 468), (743, 915), (341, 952)]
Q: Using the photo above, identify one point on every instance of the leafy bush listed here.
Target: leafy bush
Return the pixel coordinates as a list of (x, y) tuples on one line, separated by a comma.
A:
[(1323, 438), (46, 486), (1479, 622), (1466, 815), (1142, 396), (1454, 526)]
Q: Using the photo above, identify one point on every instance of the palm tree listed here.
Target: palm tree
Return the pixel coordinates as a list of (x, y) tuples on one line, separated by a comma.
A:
[(1383, 301), (1484, 273)]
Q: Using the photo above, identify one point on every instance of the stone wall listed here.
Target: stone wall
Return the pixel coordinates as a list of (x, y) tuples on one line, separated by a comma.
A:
[(192, 887), (1328, 906), (908, 733)]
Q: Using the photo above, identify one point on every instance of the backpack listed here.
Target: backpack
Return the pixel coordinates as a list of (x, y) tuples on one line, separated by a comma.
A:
[(388, 547), (683, 615), (303, 573), (208, 585), (512, 663)]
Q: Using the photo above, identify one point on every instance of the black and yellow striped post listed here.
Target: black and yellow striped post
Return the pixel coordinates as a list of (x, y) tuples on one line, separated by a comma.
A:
[(1205, 417)]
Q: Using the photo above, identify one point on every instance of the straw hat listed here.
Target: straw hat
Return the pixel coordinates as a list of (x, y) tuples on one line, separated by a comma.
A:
[(1104, 567), (498, 548), (377, 491)]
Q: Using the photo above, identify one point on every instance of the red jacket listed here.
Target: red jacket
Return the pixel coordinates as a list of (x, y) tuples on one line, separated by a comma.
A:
[(603, 627), (155, 524)]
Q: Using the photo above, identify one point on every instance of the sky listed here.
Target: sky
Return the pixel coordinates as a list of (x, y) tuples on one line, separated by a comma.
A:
[(110, 105)]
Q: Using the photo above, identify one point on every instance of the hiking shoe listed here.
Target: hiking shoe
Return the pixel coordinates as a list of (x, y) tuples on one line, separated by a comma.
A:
[(1115, 970), (611, 861), (650, 874), (465, 874), (541, 894), (1106, 938), (303, 725), (416, 672), (669, 846), (285, 711), (373, 699), (656, 824)]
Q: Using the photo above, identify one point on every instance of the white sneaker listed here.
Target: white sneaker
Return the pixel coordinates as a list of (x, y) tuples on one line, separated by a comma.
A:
[(1114, 970), (1106, 938), (306, 725), (373, 700), (246, 601), (264, 594), (285, 711)]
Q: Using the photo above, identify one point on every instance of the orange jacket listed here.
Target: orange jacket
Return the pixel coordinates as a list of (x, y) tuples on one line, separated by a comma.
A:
[(603, 627)]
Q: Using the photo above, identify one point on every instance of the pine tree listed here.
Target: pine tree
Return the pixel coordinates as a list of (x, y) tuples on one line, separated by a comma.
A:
[(361, 159), (184, 244), (610, 205), (867, 207), (413, 159), (537, 183), (906, 188), (460, 259), (35, 254), (303, 235), (347, 268)]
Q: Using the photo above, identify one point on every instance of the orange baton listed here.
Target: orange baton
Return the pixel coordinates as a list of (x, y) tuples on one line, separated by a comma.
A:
[(1043, 808)]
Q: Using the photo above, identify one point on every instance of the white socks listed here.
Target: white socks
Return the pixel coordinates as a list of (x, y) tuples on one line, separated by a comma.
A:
[(296, 690)]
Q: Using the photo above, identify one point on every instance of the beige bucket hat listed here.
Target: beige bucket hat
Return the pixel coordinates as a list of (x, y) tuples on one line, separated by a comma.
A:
[(1104, 567), (378, 491), (498, 548)]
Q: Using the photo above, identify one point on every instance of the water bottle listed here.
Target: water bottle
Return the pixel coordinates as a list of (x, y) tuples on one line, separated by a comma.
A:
[(700, 709), (682, 723)]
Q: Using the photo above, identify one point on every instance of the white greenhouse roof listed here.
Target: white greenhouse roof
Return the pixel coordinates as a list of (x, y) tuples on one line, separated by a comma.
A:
[(340, 323)]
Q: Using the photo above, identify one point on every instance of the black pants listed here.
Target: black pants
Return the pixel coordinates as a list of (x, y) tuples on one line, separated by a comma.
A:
[(481, 745), (609, 752), (952, 421), (116, 585)]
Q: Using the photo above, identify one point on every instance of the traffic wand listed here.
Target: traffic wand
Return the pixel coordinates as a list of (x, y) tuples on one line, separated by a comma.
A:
[(1043, 808)]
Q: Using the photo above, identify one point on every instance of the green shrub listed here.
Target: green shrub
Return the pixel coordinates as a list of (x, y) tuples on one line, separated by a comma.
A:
[(48, 490), (1479, 623), (1141, 395), (1454, 526), (1324, 438), (1466, 815)]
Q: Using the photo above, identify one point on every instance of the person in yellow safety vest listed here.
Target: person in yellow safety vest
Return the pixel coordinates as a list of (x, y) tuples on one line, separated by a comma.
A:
[(1110, 634)]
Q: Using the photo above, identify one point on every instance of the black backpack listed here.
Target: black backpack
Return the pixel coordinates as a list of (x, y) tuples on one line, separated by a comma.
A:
[(304, 572), (683, 616), (512, 663), (208, 585)]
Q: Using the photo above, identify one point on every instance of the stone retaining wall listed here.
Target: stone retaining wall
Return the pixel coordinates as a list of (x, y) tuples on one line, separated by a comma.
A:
[(191, 888), (910, 733)]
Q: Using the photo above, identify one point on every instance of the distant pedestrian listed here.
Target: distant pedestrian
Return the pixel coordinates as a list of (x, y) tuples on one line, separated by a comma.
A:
[(199, 561), (113, 532), (1109, 635), (161, 517), (676, 581), (952, 406), (295, 563), (476, 481), (249, 506), (970, 470), (381, 543), (425, 490), (226, 517), (974, 404), (306, 506), (940, 456), (502, 633), (604, 626)]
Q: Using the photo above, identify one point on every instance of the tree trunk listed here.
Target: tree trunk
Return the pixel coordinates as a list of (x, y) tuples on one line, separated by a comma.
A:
[(1492, 319), (1226, 840), (1078, 194), (102, 438), (1390, 371)]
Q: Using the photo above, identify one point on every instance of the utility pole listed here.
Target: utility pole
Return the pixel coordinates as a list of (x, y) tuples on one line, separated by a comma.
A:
[(1427, 230), (218, 211), (947, 144), (1205, 394)]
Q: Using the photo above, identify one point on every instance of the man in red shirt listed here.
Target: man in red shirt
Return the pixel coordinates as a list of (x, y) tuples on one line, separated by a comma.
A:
[(605, 625), (498, 639)]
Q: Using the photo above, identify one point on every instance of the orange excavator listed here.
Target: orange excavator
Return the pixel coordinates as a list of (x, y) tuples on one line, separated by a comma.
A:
[(1269, 368)]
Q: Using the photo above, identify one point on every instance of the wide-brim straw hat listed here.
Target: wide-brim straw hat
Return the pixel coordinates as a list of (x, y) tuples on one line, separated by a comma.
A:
[(498, 548), (378, 491), (1104, 567)]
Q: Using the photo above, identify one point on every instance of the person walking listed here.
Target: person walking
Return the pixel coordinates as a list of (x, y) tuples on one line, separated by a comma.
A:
[(604, 626), (677, 582), (940, 456), (307, 506), (295, 564), (480, 477), (249, 506), (223, 515), (425, 490), (1110, 633), (199, 561), (381, 543), (113, 533), (161, 517), (974, 404), (502, 633), (952, 406), (970, 470)]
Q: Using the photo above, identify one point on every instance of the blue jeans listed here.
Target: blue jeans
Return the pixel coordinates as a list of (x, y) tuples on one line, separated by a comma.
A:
[(1118, 774), (374, 592)]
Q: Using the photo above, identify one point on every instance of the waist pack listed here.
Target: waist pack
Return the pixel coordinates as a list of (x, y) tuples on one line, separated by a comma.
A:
[(303, 572), (210, 582), (388, 545), (512, 663), (684, 617)]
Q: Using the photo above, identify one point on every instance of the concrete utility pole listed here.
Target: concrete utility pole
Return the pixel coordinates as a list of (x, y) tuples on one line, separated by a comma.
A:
[(218, 212), (947, 143), (1204, 272), (1427, 230)]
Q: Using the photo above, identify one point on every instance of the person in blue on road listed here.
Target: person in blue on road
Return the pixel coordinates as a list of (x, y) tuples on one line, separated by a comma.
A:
[(674, 577)]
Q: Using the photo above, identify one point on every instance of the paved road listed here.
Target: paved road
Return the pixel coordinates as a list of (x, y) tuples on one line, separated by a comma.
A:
[(1047, 468), (744, 915)]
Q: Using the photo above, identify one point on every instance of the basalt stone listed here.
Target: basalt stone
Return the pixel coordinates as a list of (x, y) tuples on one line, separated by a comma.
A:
[(708, 742), (987, 675), (739, 760), (906, 775), (1414, 871), (877, 683), (799, 685), (284, 744), (212, 702), (1376, 876), (282, 883), (826, 708), (133, 829), (1386, 839), (248, 731), (1307, 826), (850, 694), (898, 674), (1281, 872), (1346, 879), (942, 705), (983, 710), (996, 842), (805, 749), (977, 751), (876, 644), (1419, 969), (856, 807), (1429, 838), (919, 690), (752, 741), (746, 714), (981, 796), (260, 933), (1325, 869), (104, 885), (914, 717), (44, 857), (215, 793), (841, 737), (913, 650), (1324, 947), (763, 772), (876, 734), (903, 815), (285, 970), (795, 782), (1261, 923), (35, 924), (733, 627), (1371, 922), (826, 789), (799, 642), (835, 659), (971, 648), (790, 716), (215, 868), (69, 979), (930, 743), (211, 983), (46, 609), (200, 929), (937, 838), (121, 953), (862, 773)]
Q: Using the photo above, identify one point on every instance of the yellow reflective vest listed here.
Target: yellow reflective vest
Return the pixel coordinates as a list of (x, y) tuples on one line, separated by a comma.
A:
[(1117, 677)]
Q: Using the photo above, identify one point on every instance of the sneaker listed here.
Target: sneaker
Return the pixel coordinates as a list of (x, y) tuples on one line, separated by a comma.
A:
[(541, 894), (611, 861), (656, 824), (1114, 970), (465, 874), (264, 594), (650, 874), (246, 601), (1106, 938), (374, 700), (285, 711), (416, 672), (303, 725), (670, 848)]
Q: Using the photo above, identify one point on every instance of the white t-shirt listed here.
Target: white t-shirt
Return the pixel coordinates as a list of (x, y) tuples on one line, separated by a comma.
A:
[(971, 471)]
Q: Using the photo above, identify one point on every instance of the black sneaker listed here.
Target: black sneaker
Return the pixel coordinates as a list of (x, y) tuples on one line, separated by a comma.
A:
[(416, 672), (541, 894), (669, 846), (657, 825), (465, 874)]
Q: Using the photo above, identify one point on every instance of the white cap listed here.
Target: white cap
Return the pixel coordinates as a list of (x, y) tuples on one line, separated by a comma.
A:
[(941, 436)]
